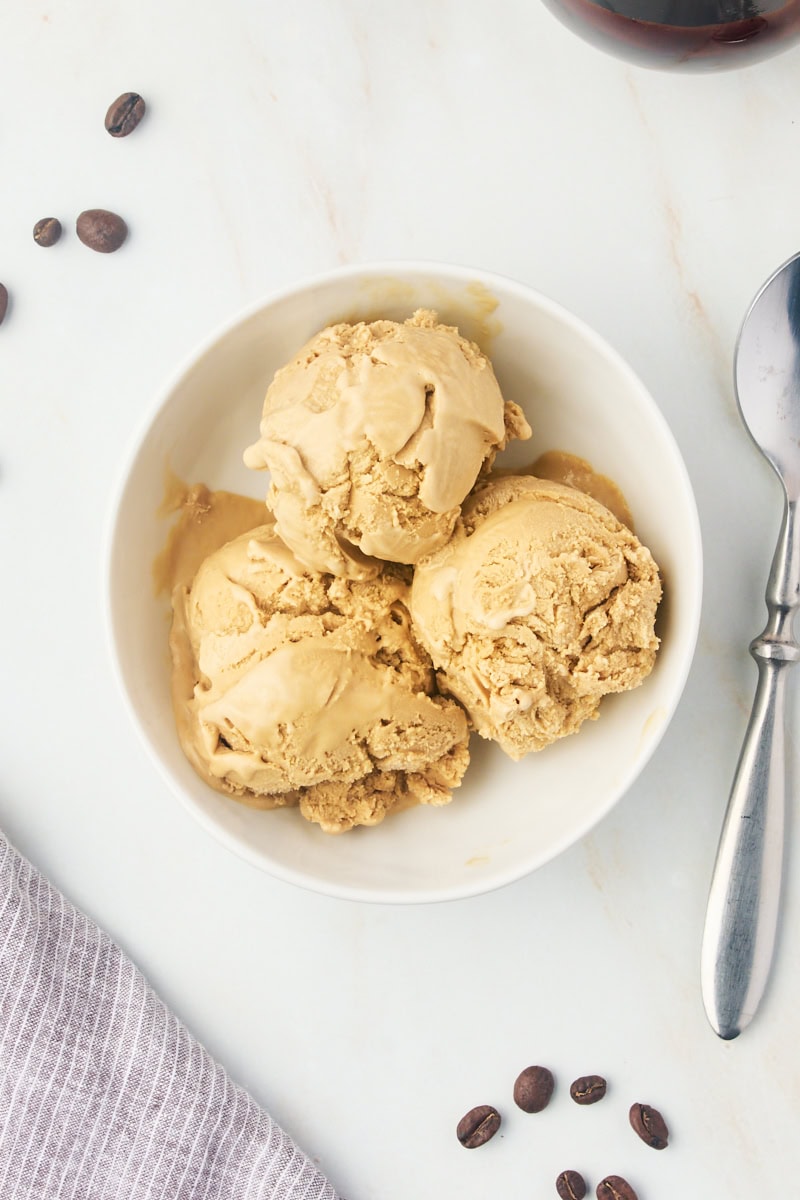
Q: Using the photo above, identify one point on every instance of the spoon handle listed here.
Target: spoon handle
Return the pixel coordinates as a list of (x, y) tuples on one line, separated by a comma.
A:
[(743, 904)]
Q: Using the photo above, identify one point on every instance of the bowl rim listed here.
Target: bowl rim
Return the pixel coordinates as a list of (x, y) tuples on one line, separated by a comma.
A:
[(440, 271)]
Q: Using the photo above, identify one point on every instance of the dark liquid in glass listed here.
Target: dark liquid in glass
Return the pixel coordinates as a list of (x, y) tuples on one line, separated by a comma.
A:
[(701, 35)]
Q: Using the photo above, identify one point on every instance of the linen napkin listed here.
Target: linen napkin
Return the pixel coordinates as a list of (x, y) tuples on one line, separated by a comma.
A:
[(104, 1094)]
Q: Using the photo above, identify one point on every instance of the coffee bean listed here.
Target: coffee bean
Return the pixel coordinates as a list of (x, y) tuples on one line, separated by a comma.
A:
[(478, 1126), (588, 1089), (3, 302), (101, 230), (650, 1125), (47, 231), (125, 114), (614, 1187), (571, 1185), (533, 1089)]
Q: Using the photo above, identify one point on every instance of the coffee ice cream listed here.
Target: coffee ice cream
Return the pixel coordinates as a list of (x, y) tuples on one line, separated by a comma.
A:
[(333, 650), (540, 605), (373, 435), (295, 688)]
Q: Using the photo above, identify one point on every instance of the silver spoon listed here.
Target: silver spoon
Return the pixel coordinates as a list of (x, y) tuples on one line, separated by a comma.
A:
[(743, 903)]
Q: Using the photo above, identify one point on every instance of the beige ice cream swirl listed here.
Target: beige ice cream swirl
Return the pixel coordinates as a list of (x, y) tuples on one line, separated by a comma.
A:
[(541, 604), (295, 688), (373, 435)]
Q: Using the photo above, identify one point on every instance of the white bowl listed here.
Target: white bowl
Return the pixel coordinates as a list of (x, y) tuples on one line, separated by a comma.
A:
[(507, 818)]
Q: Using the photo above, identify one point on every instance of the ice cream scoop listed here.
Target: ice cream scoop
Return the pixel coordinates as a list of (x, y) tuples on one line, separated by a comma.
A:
[(743, 903), (541, 604), (294, 688), (373, 435)]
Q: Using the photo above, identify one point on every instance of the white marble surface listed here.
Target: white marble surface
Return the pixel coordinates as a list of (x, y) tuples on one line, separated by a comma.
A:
[(283, 140)]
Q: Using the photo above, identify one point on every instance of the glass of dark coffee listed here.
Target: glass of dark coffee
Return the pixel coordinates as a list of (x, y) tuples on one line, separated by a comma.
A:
[(691, 35)]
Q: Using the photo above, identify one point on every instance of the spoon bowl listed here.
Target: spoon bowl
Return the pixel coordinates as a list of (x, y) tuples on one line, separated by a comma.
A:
[(768, 372)]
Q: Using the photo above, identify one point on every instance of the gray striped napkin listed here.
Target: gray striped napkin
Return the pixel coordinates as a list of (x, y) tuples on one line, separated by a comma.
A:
[(104, 1095)]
